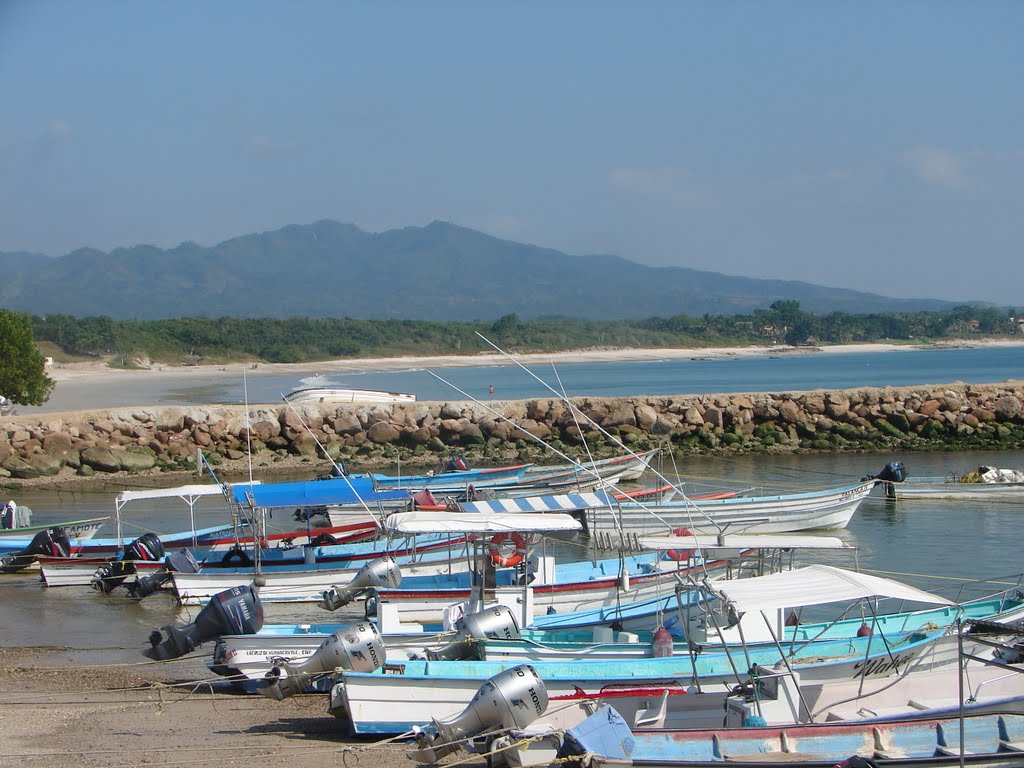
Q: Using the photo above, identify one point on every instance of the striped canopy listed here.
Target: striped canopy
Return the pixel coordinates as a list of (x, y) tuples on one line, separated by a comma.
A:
[(564, 502)]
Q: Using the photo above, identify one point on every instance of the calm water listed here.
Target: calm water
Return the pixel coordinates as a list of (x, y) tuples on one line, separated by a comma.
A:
[(934, 545), (786, 371)]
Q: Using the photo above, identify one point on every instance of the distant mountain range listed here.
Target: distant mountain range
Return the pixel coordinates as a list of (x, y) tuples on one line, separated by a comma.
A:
[(437, 272)]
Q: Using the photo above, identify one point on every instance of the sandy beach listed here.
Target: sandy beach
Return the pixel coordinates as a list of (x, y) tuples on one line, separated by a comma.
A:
[(95, 384)]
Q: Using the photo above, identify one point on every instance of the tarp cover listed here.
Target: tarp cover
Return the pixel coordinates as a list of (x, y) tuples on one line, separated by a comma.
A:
[(563, 502), (474, 522), (741, 541), (814, 585), (314, 493)]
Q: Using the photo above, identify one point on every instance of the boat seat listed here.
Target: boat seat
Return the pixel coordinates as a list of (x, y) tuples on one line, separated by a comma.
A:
[(1011, 746), (941, 751), (925, 704)]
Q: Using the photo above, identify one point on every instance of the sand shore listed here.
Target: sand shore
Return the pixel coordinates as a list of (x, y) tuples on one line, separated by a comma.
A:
[(68, 374)]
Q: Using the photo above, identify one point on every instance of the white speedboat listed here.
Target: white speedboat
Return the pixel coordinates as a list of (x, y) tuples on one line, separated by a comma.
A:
[(333, 395)]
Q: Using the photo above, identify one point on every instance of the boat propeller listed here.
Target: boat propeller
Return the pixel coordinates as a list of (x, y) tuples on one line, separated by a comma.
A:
[(355, 647), (382, 572), (235, 611), (513, 698), (494, 623)]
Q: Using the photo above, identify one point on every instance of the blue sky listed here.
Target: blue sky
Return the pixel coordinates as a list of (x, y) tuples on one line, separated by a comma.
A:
[(877, 146)]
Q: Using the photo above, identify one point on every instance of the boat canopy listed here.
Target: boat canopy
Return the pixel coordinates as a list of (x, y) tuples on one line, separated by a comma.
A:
[(564, 502), (474, 522), (313, 493), (742, 541), (813, 585), (182, 491)]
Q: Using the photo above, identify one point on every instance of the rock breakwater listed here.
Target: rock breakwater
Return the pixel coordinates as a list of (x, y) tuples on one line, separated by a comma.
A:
[(953, 416)]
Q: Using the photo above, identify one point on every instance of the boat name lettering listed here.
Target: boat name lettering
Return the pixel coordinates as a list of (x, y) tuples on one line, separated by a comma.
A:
[(880, 666)]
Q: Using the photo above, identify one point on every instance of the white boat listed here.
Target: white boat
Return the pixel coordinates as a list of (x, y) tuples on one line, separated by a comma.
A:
[(981, 484), (784, 513), (338, 395), (658, 692)]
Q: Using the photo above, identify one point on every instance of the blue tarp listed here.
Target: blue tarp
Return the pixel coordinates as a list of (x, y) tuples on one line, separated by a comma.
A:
[(313, 493)]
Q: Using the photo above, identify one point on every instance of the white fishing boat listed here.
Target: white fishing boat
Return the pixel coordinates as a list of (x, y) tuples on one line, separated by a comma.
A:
[(783, 513), (404, 694), (984, 483), (341, 396)]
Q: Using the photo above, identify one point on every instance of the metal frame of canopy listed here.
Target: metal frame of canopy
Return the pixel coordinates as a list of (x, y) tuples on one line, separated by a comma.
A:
[(190, 494)]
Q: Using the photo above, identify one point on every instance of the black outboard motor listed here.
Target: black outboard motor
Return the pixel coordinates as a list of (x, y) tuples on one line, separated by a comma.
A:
[(457, 464), (182, 561), (894, 472), (235, 611), (109, 577), (53, 542)]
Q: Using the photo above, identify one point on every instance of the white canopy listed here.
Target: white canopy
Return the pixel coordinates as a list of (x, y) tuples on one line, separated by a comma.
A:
[(472, 522), (813, 585), (182, 491), (741, 541)]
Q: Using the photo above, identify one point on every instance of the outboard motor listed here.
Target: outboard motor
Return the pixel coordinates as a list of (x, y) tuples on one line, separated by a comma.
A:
[(235, 611), (182, 561), (894, 472), (53, 542), (495, 623), (355, 647), (511, 699), (382, 572), (457, 464), (109, 577)]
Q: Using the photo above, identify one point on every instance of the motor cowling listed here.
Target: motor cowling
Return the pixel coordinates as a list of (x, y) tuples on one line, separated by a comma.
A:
[(494, 623), (894, 472), (353, 647), (235, 611), (511, 699), (52, 542), (182, 561), (382, 572), (108, 577)]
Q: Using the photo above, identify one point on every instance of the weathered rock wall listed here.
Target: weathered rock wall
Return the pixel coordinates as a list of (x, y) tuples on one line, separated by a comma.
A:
[(933, 417)]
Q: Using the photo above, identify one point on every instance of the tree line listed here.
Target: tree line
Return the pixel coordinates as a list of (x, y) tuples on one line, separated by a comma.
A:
[(298, 339)]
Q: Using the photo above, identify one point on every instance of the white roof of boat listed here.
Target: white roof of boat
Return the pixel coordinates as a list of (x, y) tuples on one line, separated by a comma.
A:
[(742, 541), (814, 585), (181, 491), (473, 522), (562, 502)]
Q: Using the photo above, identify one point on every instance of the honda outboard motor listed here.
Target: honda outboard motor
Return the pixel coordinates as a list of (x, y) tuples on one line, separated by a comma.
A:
[(182, 561), (511, 699), (53, 542), (355, 647), (235, 611), (382, 572), (109, 577), (495, 623), (893, 472)]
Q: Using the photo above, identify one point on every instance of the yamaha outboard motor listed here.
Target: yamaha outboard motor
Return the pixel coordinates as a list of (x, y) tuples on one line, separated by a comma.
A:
[(495, 623), (893, 472), (382, 572), (235, 611), (511, 699), (355, 647), (109, 577), (182, 561), (53, 542)]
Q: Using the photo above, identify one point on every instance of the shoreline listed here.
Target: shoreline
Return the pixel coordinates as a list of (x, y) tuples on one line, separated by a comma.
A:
[(69, 373)]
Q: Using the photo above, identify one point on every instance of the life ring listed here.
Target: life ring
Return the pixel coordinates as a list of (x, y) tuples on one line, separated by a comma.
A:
[(679, 555), (234, 554), (323, 540), (507, 549)]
